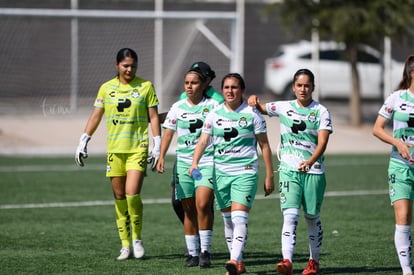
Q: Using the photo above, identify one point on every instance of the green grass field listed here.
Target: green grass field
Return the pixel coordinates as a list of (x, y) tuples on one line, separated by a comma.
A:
[(56, 218)]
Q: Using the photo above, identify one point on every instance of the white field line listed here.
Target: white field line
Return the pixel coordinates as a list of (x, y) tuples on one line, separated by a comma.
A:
[(168, 200), (102, 167)]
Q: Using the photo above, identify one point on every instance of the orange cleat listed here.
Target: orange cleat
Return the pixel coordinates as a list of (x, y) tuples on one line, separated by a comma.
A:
[(312, 268), (241, 268), (284, 267)]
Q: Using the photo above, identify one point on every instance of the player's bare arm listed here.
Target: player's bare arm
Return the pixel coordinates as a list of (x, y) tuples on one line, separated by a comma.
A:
[(199, 150), (263, 142), (254, 102), (323, 138), (379, 131), (165, 144)]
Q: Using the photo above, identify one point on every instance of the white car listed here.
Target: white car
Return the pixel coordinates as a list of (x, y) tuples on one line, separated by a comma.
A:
[(333, 78)]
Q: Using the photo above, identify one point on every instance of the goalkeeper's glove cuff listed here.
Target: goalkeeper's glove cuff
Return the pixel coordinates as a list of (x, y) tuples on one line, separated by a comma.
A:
[(85, 138), (157, 142)]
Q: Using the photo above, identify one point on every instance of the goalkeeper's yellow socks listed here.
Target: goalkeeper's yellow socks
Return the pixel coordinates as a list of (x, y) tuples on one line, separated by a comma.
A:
[(123, 222), (135, 209)]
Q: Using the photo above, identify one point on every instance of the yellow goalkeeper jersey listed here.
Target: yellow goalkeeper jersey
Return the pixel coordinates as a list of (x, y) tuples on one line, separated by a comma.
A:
[(125, 110)]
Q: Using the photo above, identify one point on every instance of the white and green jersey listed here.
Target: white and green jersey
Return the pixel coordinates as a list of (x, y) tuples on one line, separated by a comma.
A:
[(233, 135), (399, 106), (187, 120), (299, 127)]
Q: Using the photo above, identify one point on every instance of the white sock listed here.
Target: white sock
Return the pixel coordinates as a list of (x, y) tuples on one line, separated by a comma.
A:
[(228, 229), (193, 244), (290, 222), (205, 240), (402, 240), (239, 219), (315, 234)]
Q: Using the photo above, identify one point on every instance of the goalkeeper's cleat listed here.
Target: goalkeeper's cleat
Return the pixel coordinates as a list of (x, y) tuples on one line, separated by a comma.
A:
[(139, 250), (284, 267), (231, 267), (191, 261), (125, 252), (312, 268), (205, 260)]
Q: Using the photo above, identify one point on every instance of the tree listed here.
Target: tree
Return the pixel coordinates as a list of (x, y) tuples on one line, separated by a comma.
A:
[(352, 22)]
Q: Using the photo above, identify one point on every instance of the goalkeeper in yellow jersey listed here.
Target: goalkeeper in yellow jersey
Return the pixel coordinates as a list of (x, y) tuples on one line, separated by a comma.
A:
[(128, 103)]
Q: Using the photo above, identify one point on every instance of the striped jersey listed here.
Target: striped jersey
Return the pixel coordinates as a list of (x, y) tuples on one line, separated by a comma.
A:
[(125, 108), (399, 107), (299, 127), (233, 135), (187, 121)]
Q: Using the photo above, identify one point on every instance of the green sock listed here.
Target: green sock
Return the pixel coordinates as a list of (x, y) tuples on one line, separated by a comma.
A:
[(135, 209)]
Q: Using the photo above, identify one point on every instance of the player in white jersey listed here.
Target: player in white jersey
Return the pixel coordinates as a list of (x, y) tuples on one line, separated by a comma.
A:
[(204, 69), (305, 126), (127, 101), (186, 118), (399, 107), (234, 129)]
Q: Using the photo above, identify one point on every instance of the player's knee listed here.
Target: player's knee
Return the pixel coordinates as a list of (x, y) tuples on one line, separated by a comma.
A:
[(290, 216)]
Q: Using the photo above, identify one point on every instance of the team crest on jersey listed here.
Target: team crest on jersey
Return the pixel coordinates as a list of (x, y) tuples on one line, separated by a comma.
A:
[(392, 192), (207, 126), (135, 94), (272, 106), (243, 122), (312, 117), (205, 112), (282, 198)]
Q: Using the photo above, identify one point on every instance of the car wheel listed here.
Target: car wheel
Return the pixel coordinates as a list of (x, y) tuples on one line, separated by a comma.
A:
[(288, 92)]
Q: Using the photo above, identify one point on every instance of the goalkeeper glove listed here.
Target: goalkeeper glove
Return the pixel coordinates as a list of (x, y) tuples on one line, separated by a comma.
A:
[(81, 151), (155, 153)]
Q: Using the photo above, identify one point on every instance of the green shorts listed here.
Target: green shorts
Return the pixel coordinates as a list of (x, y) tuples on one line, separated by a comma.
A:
[(298, 189), (241, 189), (400, 181), (185, 185), (117, 164)]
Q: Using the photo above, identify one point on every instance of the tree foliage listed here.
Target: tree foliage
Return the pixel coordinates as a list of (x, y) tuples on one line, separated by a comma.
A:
[(352, 22)]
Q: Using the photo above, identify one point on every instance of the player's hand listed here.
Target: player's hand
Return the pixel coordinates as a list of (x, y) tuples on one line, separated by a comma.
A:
[(269, 186), (160, 166), (155, 153), (304, 167), (253, 100), (82, 151)]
